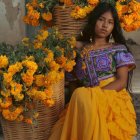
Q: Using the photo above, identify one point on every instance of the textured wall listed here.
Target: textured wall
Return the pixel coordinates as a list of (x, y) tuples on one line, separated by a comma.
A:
[(135, 36), (12, 28)]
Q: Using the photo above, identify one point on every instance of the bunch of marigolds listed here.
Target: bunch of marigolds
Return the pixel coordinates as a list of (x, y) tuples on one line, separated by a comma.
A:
[(40, 11), (28, 71)]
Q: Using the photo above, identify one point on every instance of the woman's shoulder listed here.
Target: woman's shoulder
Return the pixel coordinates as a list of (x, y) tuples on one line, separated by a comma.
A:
[(119, 47), (80, 44)]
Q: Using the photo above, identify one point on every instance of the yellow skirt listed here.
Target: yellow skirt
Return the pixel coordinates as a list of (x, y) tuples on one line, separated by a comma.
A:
[(97, 114)]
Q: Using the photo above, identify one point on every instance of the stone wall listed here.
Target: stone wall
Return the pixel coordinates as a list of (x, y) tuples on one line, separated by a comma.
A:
[(12, 27)]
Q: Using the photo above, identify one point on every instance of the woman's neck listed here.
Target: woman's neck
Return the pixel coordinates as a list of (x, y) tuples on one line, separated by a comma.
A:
[(100, 42)]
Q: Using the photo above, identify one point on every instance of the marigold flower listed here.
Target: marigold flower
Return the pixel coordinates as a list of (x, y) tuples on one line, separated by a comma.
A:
[(54, 66), (28, 121), (3, 61), (15, 88), (61, 61), (27, 78), (68, 2), (7, 77), (93, 2), (39, 80), (69, 65), (47, 16), (49, 102), (6, 103)]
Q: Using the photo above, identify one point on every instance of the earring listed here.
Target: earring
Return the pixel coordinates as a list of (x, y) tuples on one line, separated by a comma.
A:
[(90, 39), (81, 33), (111, 40)]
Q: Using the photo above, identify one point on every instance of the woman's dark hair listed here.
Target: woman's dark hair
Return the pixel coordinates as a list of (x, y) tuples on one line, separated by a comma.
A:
[(89, 29)]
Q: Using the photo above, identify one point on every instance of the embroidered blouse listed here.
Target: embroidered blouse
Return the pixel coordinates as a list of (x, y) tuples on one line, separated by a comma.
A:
[(102, 64)]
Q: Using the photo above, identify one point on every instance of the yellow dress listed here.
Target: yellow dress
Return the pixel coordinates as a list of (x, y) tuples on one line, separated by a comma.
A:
[(97, 114)]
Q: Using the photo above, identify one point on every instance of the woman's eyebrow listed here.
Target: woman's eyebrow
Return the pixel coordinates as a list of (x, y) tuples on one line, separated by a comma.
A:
[(105, 18)]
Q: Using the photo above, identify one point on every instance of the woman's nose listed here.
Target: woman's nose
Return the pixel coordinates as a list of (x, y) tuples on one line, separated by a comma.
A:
[(105, 24)]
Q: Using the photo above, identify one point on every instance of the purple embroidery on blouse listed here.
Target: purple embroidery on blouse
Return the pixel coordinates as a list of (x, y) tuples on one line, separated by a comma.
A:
[(112, 49), (78, 69), (91, 72), (103, 63), (123, 58)]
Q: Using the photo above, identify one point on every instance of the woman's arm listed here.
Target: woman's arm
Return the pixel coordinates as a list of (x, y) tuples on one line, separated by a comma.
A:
[(79, 44), (121, 80)]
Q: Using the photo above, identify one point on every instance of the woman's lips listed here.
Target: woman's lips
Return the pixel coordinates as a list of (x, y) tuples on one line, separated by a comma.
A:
[(103, 31)]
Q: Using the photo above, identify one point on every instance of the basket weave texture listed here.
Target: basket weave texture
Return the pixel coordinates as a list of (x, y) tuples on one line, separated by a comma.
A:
[(66, 24), (46, 120)]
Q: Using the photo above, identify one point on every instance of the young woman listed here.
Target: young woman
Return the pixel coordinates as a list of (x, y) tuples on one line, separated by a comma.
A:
[(101, 108)]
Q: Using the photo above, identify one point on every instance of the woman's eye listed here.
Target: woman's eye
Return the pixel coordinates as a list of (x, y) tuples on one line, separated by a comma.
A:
[(100, 19), (111, 22)]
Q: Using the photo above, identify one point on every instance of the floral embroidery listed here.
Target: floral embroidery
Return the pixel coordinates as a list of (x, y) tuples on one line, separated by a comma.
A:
[(103, 63)]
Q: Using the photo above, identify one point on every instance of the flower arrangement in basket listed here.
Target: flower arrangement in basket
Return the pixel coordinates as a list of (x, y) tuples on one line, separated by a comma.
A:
[(28, 71), (40, 11)]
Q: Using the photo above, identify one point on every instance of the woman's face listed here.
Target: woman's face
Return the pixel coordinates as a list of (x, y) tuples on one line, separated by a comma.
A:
[(104, 25)]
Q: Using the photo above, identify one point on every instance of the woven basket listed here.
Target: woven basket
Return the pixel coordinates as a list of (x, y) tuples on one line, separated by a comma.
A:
[(66, 24), (47, 118)]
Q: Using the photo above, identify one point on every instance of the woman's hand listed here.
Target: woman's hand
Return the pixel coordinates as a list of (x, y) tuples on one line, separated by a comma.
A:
[(121, 80)]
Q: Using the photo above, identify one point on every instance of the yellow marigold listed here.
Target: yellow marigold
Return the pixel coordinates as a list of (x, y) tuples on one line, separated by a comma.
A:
[(9, 115), (34, 14), (28, 121), (30, 58), (128, 19), (42, 35), (134, 5), (51, 78), (3, 61), (29, 7), (61, 74), (69, 65), (31, 65), (6, 93), (34, 3), (72, 41), (37, 44), (49, 91), (54, 66), (50, 57), (68, 2), (6, 103), (17, 67), (74, 54), (15, 88), (32, 18), (19, 97), (88, 8), (61, 61), (49, 102), (78, 13), (39, 80), (47, 16), (41, 5), (25, 41), (40, 95), (93, 2), (27, 78), (119, 8), (7, 77)]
